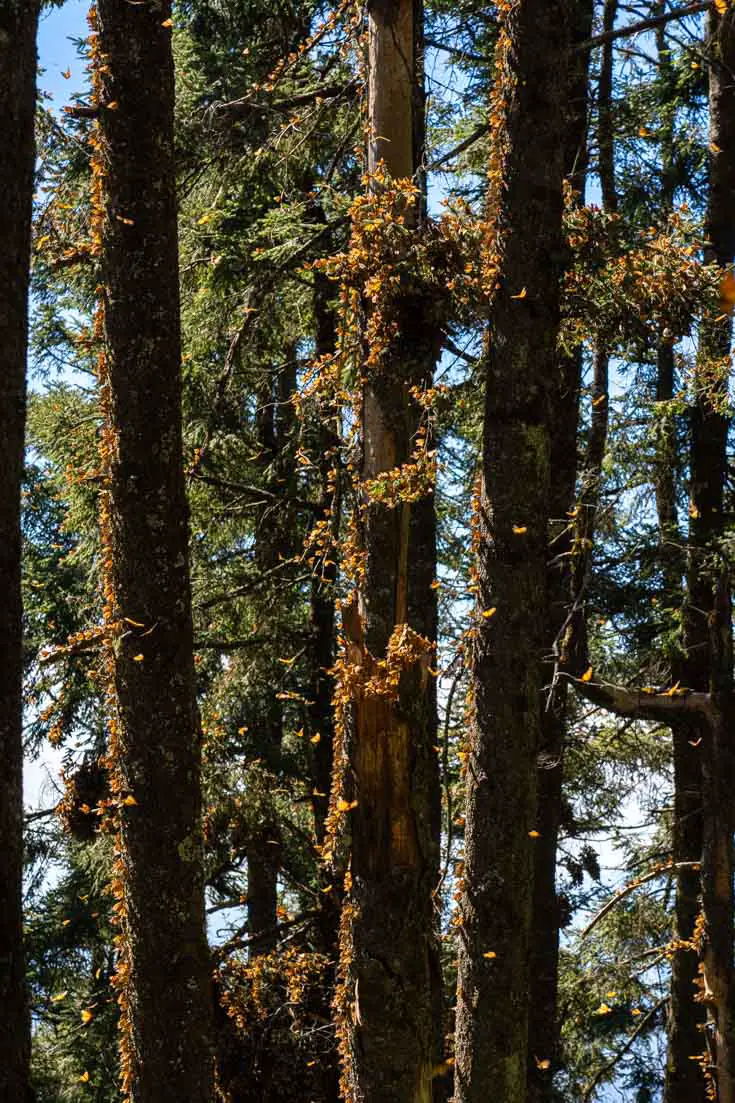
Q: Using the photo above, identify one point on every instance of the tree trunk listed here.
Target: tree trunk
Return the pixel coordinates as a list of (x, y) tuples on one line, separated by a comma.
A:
[(388, 947), (18, 24), (527, 169), (683, 1081), (605, 119), (543, 1025), (323, 606), (707, 621), (275, 540), (155, 737)]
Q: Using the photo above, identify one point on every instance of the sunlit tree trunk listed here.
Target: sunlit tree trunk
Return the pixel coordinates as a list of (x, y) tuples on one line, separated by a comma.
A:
[(389, 957), (164, 977), (522, 362), (18, 24)]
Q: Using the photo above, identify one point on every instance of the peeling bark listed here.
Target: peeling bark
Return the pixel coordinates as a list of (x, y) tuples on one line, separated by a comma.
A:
[(18, 25), (389, 949)]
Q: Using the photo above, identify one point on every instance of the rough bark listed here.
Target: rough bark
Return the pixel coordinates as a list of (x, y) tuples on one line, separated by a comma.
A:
[(707, 615), (507, 674), (18, 24), (167, 1049), (323, 614), (683, 1082), (389, 953), (543, 1025), (323, 608), (323, 620)]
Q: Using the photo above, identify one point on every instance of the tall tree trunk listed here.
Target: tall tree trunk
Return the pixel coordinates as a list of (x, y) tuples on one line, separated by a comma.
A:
[(323, 611), (323, 599), (163, 977), (708, 632), (605, 117), (18, 25), (522, 361), (543, 1026), (388, 948), (323, 622), (275, 538), (683, 1081)]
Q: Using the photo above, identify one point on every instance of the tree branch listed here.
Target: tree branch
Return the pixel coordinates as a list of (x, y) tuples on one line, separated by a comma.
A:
[(590, 1087), (642, 705), (643, 25), (631, 887), (470, 140), (302, 99), (458, 52)]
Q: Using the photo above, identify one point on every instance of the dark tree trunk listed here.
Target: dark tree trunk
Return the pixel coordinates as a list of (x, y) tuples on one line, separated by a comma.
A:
[(389, 956), (164, 975), (323, 607), (707, 615), (323, 617), (522, 363), (683, 1082), (275, 540), (543, 1026), (18, 24), (605, 116), (323, 622)]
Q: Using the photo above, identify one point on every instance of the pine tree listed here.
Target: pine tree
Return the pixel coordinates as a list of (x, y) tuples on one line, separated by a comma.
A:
[(389, 957), (707, 614), (155, 736), (521, 361), (18, 25), (564, 406)]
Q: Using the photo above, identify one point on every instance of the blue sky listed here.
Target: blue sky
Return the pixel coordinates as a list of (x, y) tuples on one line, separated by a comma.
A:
[(56, 53)]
